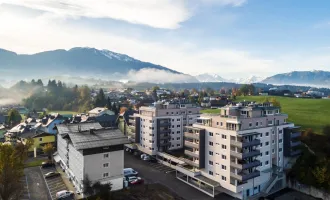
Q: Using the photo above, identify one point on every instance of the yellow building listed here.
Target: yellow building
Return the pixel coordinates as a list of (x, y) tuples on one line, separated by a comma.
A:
[(39, 140)]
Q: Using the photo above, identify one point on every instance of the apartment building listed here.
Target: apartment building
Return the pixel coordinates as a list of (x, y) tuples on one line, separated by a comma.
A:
[(87, 149), (159, 128), (241, 151)]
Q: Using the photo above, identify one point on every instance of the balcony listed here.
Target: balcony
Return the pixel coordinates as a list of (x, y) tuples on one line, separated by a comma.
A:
[(245, 143), (190, 162), (191, 154), (242, 156), (131, 121), (296, 143), (295, 152), (165, 144), (191, 144), (164, 137), (295, 135), (243, 176), (164, 124), (191, 135), (255, 163), (165, 131)]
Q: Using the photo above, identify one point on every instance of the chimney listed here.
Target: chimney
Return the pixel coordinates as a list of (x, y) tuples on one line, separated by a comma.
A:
[(92, 130)]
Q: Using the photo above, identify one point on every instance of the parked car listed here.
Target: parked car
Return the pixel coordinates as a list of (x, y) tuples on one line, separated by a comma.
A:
[(130, 172), (145, 157), (52, 174), (135, 180), (64, 194), (47, 164), (152, 159)]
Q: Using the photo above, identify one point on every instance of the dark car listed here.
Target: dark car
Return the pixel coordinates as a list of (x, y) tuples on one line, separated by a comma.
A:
[(152, 160), (47, 164), (52, 174)]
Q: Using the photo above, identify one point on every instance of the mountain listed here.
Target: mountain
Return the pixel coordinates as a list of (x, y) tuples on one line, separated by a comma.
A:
[(248, 80), (311, 78), (80, 61), (207, 77)]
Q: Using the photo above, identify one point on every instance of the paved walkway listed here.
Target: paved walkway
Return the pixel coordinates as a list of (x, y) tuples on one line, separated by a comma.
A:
[(67, 182)]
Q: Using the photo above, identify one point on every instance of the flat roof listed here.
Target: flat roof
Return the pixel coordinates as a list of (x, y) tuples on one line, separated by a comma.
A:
[(82, 138)]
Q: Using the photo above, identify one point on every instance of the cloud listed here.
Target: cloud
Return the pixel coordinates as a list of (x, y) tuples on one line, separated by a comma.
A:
[(226, 2), (167, 14)]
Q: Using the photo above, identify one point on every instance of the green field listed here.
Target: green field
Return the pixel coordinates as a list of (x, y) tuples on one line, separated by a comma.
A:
[(308, 113), (64, 112)]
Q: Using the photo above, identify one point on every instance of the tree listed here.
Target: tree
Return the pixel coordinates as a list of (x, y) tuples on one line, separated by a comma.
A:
[(154, 88), (100, 100), (48, 150), (11, 170), (102, 190), (244, 90), (326, 130), (109, 105), (14, 117), (88, 189)]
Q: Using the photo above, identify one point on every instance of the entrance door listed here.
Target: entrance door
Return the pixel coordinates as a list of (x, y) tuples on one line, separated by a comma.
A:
[(247, 193)]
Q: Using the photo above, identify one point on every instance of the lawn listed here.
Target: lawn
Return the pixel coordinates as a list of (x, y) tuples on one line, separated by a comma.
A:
[(308, 113), (64, 112), (34, 163)]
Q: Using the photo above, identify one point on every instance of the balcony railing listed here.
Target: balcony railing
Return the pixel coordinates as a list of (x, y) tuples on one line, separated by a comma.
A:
[(245, 155), (255, 163), (165, 144), (296, 143), (164, 124), (190, 153), (242, 176), (190, 162), (191, 144), (295, 135), (164, 137), (245, 143), (165, 131), (191, 135)]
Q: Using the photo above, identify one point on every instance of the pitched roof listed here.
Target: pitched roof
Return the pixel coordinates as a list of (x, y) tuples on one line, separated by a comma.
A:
[(82, 138), (97, 110)]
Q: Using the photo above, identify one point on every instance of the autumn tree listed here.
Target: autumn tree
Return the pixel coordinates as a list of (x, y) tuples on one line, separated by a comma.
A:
[(100, 100), (48, 150), (11, 170)]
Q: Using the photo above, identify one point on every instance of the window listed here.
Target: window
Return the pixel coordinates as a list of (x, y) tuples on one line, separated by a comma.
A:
[(217, 174), (273, 141), (250, 124), (166, 113), (105, 175), (106, 155), (267, 134), (221, 124), (217, 143), (172, 113), (178, 138), (210, 162), (178, 120), (217, 123), (211, 143), (106, 165), (217, 163), (224, 146), (280, 140), (172, 145), (224, 157), (267, 153), (273, 132), (217, 133), (280, 150), (260, 154), (260, 134), (260, 123), (270, 122), (279, 159), (273, 151), (178, 132), (210, 133), (260, 144), (211, 173), (224, 136), (172, 120), (224, 167), (40, 139), (211, 153), (217, 153), (267, 162), (257, 124), (280, 131), (178, 145), (178, 126), (267, 143), (172, 138), (223, 178)]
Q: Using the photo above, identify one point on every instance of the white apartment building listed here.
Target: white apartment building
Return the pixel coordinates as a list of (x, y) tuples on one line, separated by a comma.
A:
[(242, 151), (87, 149), (159, 128)]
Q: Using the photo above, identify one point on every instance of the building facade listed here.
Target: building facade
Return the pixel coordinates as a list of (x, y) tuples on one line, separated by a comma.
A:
[(159, 128), (87, 149), (241, 151)]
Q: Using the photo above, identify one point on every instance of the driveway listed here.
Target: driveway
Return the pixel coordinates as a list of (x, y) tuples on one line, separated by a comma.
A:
[(35, 187), (157, 173)]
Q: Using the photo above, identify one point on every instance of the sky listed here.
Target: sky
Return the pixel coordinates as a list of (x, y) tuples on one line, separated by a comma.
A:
[(231, 38)]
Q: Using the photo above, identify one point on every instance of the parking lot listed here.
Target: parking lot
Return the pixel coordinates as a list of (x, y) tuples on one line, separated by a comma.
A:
[(54, 184), (158, 173), (34, 184)]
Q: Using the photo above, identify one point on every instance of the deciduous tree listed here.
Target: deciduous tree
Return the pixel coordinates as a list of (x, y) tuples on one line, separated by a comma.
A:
[(48, 149)]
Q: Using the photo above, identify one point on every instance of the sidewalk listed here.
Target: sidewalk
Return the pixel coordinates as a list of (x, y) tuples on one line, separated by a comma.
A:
[(67, 182)]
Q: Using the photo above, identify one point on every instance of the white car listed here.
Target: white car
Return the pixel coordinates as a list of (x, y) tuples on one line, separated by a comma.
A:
[(63, 194), (145, 157), (130, 172)]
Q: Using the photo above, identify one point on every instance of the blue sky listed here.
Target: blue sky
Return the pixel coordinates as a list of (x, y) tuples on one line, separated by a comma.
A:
[(232, 38)]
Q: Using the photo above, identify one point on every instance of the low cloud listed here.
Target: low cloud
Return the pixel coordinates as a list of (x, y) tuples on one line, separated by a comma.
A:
[(158, 76)]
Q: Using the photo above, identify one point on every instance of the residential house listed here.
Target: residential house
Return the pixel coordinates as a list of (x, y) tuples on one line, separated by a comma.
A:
[(39, 139), (100, 111), (48, 123), (89, 150)]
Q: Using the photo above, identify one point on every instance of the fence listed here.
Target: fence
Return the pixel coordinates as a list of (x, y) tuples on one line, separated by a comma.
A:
[(309, 190)]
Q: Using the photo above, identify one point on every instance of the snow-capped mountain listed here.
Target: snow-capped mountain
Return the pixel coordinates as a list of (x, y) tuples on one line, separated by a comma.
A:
[(207, 77)]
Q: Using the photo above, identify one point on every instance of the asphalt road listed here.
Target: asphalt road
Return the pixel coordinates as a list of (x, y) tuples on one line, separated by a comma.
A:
[(37, 188), (157, 173)]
